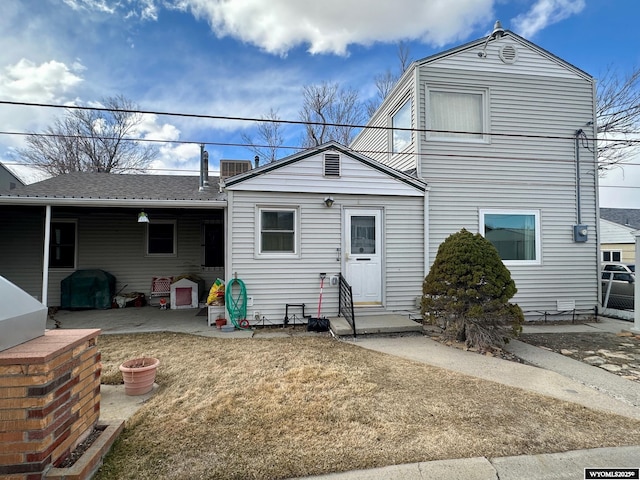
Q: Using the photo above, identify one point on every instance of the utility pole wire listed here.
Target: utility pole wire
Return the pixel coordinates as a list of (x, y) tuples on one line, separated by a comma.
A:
[(289, 122)]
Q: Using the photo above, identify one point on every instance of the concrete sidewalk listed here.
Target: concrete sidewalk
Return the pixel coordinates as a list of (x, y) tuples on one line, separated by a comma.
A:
[(555, 466)]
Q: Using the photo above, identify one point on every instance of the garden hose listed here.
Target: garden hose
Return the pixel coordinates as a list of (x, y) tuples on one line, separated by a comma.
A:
[(237, 307)]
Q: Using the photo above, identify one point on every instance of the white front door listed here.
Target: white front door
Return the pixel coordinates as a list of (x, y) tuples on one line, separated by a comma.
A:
[(363, 255)]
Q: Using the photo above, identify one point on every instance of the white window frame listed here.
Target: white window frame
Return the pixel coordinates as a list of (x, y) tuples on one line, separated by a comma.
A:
[(460, 138), (405, 103), (611, 252), (538, 247), (296, 231), (75, 246), (174, 253)]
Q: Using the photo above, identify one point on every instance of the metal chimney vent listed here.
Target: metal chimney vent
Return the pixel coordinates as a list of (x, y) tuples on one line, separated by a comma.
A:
[(331, 165), (509, 54)]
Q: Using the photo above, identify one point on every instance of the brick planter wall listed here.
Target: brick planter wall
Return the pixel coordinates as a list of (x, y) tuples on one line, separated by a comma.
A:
[(49, 400)]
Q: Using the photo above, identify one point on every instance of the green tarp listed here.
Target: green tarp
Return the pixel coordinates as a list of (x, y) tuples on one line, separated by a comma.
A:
[(87, 289)]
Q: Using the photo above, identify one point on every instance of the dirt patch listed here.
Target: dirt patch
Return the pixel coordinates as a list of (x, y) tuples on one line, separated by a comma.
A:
[(82, 447), (616, 353), (435, 333)]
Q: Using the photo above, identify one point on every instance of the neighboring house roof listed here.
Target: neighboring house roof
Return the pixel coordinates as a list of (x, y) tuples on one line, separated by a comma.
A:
[(8, 179), (629, 217), (327, 147), (83, 188), (611, 232)]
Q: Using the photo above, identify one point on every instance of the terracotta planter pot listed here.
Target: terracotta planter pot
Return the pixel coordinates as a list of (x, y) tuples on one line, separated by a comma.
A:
[(139, 374), (220, 322)]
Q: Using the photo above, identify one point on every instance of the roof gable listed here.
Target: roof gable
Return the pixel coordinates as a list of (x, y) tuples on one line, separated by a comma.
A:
[(295, 172), (469, 56)]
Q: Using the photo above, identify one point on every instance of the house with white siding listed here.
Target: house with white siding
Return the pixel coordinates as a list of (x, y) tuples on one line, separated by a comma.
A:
[(503, 133), (495, 136), (326, 211), (617, 242)]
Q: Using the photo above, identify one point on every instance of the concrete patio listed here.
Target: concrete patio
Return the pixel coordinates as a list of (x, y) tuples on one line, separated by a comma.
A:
[(153, 319)]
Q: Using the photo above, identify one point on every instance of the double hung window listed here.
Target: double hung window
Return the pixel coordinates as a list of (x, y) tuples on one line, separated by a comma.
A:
[(277, 231)]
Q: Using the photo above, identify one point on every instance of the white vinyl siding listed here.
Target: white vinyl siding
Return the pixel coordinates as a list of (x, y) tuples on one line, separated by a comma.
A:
[(274, 282), (536, 104), (376, 142)]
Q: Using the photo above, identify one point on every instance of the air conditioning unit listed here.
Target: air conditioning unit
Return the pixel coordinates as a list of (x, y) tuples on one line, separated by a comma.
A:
[(229, 168)]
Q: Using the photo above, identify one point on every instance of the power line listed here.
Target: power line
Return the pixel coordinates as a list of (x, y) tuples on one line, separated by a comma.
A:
[(298, 148), (284, 121)]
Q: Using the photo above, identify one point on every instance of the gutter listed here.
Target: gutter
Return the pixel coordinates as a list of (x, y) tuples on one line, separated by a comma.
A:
[(116, 202)]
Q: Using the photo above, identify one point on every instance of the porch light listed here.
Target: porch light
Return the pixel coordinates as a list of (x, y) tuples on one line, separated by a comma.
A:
[(142, 217), (328, 202)]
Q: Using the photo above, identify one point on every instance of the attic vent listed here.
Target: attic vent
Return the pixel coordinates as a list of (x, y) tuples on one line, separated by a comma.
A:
[(331, 165), (509, 54), (229, 168)]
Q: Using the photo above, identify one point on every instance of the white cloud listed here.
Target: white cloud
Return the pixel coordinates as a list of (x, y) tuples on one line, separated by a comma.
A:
[(545, 13), (98, 5), (46, 82), (331, 26)]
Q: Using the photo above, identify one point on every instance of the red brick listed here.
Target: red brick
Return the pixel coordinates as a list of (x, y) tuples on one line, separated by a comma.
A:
[(43, 412)]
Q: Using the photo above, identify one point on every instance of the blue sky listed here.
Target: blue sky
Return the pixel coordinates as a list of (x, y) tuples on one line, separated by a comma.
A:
[(241, 58)]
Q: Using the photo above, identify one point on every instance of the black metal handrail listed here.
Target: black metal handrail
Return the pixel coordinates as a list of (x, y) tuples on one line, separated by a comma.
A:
[(345, 304)]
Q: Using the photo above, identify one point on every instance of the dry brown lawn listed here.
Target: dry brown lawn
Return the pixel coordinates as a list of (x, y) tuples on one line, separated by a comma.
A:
[(289, 407)]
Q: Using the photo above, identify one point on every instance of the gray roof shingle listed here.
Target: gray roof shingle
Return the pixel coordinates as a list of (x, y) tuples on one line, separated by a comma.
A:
[(629, 217), (84, 185)]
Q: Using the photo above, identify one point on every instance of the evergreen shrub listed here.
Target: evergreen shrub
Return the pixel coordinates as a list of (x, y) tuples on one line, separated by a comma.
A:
[(467, 293)]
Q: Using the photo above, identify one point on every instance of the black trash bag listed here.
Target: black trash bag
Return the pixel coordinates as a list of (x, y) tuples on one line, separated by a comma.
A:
[(318, 324)]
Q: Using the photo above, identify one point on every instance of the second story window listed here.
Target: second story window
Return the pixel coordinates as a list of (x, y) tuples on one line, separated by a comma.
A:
[(401, 139), (457, 115)]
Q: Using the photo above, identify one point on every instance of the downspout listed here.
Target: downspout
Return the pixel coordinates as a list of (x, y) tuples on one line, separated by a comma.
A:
[(578, 206), (45, 256)]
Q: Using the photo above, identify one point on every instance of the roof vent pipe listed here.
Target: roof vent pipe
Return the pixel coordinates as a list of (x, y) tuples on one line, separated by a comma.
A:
[(257, 161), (204, 168)]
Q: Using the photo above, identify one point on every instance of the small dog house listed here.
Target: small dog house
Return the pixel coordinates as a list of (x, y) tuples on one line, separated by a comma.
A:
[(184, 294)]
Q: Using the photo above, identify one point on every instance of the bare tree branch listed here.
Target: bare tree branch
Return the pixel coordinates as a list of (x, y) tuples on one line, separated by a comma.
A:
[(618, 118), (91, 141), (269, 137)]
